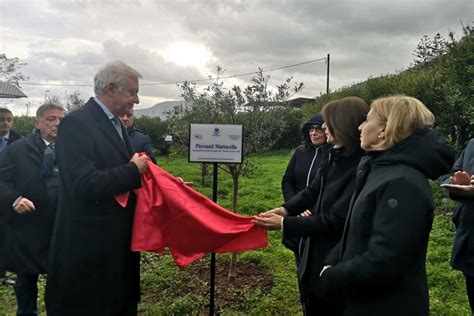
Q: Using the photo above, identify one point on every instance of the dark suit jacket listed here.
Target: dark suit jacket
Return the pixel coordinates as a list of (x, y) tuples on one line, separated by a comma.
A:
[(3, 212), (13, 137), (141, 142), (92, 270), (27, 235)]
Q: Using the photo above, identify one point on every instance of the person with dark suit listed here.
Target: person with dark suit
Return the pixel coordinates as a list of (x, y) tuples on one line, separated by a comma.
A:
[(461, 189), (92, 269), (28, 190), (7, 137), (329, 195), (140, 140), (379, 266)]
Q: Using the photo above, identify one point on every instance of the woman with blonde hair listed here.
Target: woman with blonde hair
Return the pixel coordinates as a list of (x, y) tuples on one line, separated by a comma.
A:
[(379, 264)]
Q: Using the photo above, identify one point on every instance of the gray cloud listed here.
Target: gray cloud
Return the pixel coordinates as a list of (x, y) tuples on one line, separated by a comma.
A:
[(67, 41)]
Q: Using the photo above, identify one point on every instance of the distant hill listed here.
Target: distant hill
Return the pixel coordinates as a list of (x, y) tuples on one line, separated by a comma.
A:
[(158, 110)]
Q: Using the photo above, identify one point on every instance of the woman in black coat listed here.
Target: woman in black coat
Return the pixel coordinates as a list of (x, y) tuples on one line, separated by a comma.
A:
[(303, 166), (330, 192), (379, 265)]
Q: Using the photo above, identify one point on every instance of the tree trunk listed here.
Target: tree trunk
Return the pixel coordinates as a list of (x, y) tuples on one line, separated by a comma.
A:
[(233, 259), (204, 172)]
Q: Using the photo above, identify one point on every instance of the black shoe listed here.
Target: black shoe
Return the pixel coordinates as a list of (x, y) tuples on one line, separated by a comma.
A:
[(7, 281)]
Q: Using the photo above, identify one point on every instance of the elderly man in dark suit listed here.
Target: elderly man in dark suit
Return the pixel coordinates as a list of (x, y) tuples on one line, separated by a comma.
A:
[(92, 270), (7, 137), (140, 140), (28, 191)]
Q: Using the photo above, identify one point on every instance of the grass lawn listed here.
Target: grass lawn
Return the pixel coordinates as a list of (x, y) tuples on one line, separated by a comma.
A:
[(266, 282)]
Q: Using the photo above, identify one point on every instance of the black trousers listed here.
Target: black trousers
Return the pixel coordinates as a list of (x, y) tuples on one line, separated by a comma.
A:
[(314, 305), (26, 292), (129, 309), (470, 291)]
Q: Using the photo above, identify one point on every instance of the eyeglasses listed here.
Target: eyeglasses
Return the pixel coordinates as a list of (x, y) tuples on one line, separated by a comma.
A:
[(316, 128)]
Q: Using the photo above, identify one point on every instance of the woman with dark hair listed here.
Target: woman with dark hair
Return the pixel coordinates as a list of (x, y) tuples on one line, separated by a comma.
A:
[(303, 166), (379, 264), (330, 192)]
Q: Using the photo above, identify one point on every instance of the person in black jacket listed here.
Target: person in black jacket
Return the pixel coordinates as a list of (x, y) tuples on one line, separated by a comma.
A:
[(28, 191), (462, 190), (140, 140), (303, 166), (7, 137), (330, 192), (379, 264), (302, 169)]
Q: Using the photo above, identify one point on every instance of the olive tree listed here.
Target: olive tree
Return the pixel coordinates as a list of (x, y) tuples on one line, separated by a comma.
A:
[(261, 110)]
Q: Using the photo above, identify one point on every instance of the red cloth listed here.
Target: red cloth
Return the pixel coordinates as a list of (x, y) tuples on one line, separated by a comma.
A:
[(170, 214)]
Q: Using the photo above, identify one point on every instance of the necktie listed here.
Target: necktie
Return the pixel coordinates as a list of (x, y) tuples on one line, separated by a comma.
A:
[(49, 159), (118, 126), (3, 143)]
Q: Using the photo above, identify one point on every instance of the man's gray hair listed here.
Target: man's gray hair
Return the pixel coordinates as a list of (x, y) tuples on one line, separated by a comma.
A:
[(48, 106), (113, 73)]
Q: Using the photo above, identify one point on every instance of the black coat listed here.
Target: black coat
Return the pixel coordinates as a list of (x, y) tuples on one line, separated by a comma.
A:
[(141, 142), (463, 218), (299, 174), (330, 193), (92, 270), (302, 169), (4, 212), (379, 264), (28, 235)]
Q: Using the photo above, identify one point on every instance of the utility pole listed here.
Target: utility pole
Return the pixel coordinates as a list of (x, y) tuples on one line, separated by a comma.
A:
[(327, 76)]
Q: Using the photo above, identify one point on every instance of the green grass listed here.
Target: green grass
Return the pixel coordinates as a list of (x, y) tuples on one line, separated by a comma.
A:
[(161, 279)]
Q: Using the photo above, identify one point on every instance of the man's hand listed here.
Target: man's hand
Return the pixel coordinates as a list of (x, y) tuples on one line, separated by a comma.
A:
[(141, 162), (24, 206), (188, 183)]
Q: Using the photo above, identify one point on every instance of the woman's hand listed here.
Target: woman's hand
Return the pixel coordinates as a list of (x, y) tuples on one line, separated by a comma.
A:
[(305, 214), (278, 211), (268, 220), (461, 178)]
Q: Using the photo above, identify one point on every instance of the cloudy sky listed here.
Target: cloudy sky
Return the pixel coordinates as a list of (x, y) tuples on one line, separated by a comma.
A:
[(64, 42)]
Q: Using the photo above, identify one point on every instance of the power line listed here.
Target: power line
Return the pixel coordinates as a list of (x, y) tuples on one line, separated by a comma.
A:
[(177, 82), (238, 75)]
